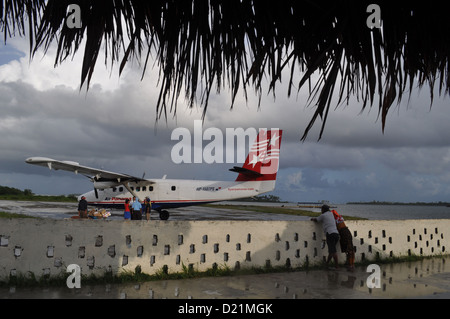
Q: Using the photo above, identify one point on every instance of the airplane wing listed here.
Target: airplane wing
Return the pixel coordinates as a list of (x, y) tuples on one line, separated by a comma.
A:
[(75, 167)]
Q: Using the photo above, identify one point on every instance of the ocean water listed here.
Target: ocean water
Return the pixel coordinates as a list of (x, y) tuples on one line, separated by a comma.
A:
[(391, 212), (376, 212)]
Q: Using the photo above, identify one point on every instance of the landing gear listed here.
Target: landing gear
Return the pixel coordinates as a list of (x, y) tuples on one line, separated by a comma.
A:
[(163, 214)]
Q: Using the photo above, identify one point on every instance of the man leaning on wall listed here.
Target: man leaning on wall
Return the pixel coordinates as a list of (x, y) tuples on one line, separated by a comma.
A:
[(331, 233)]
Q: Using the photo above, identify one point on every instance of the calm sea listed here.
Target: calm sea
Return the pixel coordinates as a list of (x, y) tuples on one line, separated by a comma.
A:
[(379, 212), (395, 211)]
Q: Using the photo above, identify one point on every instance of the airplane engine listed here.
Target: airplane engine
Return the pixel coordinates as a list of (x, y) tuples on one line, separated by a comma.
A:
[(105, 184)]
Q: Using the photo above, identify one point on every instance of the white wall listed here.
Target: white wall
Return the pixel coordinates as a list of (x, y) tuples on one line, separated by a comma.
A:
[(48, 246)]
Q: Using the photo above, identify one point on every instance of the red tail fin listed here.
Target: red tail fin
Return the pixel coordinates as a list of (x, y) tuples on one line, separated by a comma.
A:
[(263, 158)]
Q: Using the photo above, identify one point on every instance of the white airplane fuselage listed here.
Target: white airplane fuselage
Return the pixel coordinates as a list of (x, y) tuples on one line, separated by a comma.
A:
[(172, 193)]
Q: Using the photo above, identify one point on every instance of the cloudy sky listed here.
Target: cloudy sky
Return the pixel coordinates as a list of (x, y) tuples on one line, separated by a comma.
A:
[(113, 126)]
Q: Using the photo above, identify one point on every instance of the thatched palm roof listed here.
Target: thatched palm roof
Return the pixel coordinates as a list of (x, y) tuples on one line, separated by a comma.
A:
[(206, 44)]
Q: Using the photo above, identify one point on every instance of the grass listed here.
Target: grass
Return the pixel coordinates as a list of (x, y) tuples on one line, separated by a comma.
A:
[(14, 215), (276, 210), (126, 276)]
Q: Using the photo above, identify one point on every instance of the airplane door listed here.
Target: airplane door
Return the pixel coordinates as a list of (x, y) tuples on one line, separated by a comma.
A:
[(172, 192)]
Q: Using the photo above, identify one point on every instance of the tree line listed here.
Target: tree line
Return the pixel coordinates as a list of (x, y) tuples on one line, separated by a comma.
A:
[(11, 193)]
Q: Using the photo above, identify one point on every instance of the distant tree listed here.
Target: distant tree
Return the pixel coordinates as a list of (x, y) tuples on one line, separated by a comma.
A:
[(28, 192), (5, 190), (267, 198)]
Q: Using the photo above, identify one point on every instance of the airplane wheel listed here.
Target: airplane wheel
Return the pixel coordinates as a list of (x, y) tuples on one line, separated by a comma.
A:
[(164, 215)]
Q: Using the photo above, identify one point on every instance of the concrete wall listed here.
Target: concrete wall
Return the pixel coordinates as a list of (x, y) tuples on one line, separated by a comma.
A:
[(47, 247)]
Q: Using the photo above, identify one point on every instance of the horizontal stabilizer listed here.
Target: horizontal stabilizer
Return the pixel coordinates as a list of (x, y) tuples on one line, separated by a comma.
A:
[(245, 171)]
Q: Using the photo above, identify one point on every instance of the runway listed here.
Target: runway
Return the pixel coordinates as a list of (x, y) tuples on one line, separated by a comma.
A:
[(67, 210)]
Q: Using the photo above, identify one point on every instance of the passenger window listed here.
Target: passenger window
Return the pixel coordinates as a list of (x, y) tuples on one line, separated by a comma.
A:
[(174, 188), (120, 189), (114, 189), (144, 188), (138, 189), (151, 188)]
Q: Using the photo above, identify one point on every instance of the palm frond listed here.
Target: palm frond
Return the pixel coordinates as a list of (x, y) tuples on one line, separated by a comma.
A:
[(202, 44)]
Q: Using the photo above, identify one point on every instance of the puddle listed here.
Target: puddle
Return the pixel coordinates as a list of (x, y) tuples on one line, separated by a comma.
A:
[(429, 278)]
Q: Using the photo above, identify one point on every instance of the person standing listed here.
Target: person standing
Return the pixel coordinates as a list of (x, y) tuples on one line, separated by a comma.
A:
[(345, 240), (331, 233), (82, 207), (127, 213), (136, 207), (148, 208)]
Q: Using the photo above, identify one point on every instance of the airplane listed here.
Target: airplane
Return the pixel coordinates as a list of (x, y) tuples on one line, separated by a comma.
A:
[(256, 176)]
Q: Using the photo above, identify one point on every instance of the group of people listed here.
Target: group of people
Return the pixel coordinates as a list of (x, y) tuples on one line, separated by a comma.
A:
[(336, 231), (136, 209)]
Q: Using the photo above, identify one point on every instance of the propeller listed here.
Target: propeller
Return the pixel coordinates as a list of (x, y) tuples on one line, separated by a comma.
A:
[(93, 179)]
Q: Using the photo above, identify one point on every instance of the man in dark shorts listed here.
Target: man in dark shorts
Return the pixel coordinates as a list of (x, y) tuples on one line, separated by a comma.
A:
[(82, 208), (346, 240), (331, 233)]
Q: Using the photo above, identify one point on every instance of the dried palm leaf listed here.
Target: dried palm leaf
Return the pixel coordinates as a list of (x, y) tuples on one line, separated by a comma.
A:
[(238, 44)]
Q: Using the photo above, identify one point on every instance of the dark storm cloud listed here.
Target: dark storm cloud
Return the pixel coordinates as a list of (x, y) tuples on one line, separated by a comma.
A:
[(113, 126), (63, 123)]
